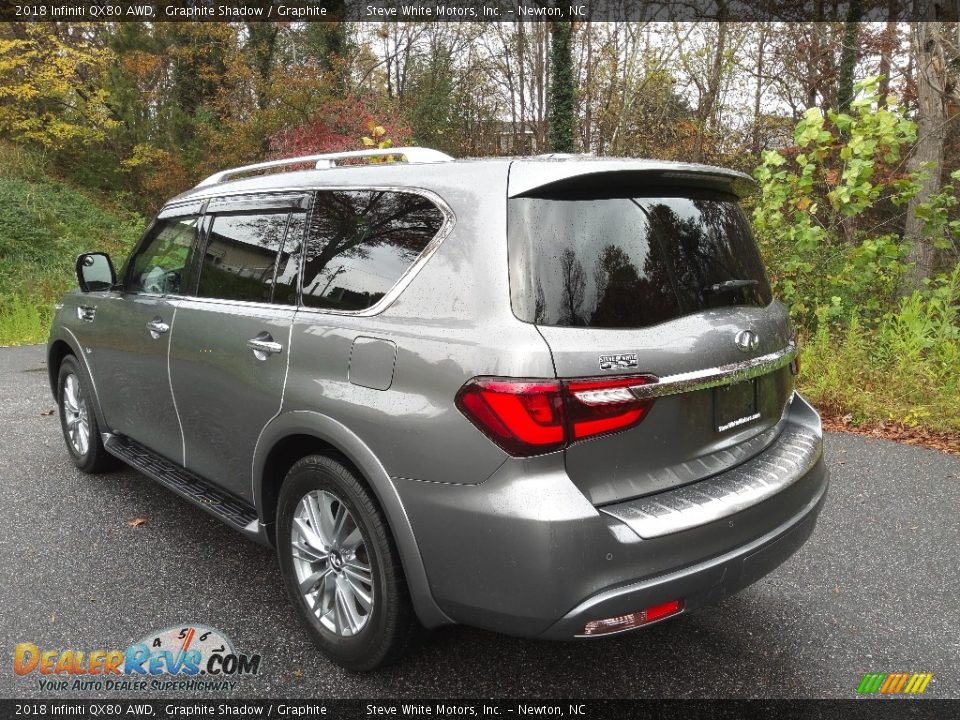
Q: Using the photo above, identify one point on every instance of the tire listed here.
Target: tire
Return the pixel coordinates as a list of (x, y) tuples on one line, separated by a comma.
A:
[(78, 420), (357, 610)]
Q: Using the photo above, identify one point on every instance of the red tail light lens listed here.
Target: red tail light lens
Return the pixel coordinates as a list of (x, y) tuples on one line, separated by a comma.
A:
[(532, 417), (598, 407), (524, 417)]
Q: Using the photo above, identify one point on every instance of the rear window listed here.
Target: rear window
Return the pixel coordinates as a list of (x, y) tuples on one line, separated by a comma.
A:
[(627, 262)]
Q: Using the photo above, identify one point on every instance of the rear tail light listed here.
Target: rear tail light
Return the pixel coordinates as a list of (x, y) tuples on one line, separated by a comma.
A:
[(531, 417), (522, 417), (632, 620), (598, 407)]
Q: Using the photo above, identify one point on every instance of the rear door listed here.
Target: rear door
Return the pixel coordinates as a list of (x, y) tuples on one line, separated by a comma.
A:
[(632, 278), (228, 358)]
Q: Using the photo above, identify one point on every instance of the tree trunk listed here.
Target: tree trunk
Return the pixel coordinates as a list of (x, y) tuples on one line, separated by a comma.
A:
[(848, 56), (888, 45), (588, 91), (562, 90), (928, 152), (709, 99), (758, 90)]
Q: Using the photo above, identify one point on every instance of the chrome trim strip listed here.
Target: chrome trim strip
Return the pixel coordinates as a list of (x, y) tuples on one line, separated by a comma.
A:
[(789, 459), (716, 376)]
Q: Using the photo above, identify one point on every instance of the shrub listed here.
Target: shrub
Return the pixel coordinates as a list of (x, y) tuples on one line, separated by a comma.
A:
[(829, 221)]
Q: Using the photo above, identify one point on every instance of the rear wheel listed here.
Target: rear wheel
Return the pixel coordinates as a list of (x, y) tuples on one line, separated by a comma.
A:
[(79, 422), (340, 566)]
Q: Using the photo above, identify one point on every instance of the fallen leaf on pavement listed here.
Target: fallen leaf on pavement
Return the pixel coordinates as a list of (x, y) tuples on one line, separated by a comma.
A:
[(945, 441), (136, 522)]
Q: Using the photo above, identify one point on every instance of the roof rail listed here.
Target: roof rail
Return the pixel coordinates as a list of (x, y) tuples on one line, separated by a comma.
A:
[(328, 160)]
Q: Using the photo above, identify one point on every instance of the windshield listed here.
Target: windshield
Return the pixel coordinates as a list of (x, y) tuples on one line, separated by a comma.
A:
[(577, 260)]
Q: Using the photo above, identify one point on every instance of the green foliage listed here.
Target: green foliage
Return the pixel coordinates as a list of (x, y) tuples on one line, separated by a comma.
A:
[(21, 321), (906, 370), (829, 221), (50, 90), (44, 225), (563, 91), (822, 219)]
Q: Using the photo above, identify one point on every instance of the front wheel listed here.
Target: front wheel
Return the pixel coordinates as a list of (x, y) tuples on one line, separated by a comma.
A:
[(79, 422), (340, 566)]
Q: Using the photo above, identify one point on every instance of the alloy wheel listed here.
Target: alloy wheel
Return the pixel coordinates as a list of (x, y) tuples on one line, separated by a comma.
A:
[(332, 563), (76, 416)]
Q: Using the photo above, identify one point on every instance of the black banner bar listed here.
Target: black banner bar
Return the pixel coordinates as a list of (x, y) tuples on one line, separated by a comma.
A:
[(469, 10), (865, 709)]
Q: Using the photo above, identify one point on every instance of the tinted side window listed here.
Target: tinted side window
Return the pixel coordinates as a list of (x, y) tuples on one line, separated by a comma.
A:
[(288, 266), (240, 258), (359, 243), (163, 261)]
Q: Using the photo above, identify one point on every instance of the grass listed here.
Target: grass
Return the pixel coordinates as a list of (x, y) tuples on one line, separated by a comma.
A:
[(44, 224), (905, 371)]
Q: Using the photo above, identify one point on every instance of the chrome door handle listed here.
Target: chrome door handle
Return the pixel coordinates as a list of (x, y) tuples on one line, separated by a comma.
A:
[(157, 327), (263, 348)]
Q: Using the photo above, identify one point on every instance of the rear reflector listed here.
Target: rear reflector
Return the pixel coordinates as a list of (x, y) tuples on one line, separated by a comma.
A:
[(633, 620), (532, 417)]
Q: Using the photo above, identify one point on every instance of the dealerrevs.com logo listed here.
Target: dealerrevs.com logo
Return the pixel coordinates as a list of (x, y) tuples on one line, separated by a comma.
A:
[(186, 657)]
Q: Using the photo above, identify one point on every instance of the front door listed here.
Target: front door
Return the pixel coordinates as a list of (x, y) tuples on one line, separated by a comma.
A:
[(127, 340), (228, 357)]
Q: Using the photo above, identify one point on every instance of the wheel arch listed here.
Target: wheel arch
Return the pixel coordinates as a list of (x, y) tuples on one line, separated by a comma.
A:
[(295, 434), (59, 347), (56, 352)]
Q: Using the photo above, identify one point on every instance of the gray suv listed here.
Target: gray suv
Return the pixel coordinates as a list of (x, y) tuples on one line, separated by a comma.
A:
[(550, 397)]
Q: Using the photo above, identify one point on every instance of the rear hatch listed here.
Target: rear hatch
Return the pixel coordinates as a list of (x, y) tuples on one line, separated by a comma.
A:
[(629, 273)]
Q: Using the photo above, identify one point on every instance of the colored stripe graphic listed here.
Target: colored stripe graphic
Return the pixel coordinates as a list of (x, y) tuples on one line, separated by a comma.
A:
[(894, 683), (871, 683), (918, 683)]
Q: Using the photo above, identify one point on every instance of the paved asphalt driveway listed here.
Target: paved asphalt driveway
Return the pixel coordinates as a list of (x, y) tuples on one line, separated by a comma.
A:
[(877, 588)]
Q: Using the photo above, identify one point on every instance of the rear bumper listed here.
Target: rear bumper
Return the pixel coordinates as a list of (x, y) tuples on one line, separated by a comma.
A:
[(525, 553), (705, 583)]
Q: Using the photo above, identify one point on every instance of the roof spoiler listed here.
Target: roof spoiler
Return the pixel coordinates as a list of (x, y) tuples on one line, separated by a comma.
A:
[(532, 178)]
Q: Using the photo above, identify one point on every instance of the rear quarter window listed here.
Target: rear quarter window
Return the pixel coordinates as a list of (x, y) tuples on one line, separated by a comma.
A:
[(361, 242)]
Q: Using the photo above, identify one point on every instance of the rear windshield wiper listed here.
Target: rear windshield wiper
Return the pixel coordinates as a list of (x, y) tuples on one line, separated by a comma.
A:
[(727, 286)]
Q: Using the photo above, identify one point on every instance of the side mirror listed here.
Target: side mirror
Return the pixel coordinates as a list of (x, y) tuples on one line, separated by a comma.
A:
[(95, 272)]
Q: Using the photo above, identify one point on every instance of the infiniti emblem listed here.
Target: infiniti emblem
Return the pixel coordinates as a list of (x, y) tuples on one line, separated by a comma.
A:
[(747, 340)]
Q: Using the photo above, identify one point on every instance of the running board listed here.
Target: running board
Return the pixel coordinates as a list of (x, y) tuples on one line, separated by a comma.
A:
[(190, 486)]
